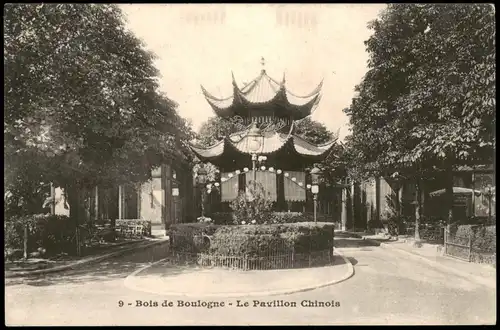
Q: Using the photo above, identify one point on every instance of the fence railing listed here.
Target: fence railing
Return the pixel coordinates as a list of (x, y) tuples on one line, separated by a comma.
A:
[(459, 247), (431, 235), (462, 247), (240, 253)]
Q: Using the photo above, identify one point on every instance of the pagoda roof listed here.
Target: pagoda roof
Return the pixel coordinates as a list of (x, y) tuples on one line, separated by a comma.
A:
[(264, 90), (270, 143)]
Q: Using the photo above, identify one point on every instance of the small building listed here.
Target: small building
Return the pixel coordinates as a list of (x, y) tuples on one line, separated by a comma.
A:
[(474, 195), (265, 148), (165, 199)]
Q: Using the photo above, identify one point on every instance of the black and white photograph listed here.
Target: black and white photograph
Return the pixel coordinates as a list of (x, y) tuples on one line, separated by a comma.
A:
[(249, 164)]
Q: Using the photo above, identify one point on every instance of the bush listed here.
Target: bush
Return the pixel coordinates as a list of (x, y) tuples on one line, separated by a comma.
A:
[(54, 233), (251, 206)]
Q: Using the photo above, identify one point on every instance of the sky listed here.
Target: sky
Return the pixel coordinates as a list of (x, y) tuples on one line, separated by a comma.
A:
[(198, 44)]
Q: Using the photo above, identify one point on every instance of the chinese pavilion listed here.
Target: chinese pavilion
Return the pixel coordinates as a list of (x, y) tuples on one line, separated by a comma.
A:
[(265, 148)]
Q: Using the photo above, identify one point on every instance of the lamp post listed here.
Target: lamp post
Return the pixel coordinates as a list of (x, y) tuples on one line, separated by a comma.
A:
[(254, 135), (315, 173), (202, 179)]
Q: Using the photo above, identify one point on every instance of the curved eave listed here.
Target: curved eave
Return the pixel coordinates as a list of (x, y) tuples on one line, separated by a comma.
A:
[(306, 149), (211, 152), (264, 90), (269, 145)]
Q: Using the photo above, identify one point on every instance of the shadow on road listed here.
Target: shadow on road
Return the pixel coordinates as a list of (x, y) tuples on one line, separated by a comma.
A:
[(352, 260), (357, 243), (106, 270)]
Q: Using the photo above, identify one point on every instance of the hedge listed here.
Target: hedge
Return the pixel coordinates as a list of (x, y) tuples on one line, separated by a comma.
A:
[(483, 239), (226, 218), (252, 240)]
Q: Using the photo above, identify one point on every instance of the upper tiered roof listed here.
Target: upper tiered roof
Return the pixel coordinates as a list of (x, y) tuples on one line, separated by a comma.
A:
[(266, 94)]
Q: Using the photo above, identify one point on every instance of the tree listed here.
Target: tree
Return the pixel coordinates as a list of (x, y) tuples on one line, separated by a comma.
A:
[(82, 106), (427, 103)]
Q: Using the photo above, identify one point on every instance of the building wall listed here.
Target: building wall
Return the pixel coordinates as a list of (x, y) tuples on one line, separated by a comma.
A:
[(60, 209)]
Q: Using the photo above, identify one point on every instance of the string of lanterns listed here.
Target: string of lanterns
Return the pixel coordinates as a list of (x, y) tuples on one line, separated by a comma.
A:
[(230, 175)]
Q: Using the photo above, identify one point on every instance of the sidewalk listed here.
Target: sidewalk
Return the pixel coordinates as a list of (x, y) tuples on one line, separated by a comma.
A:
[(55, 266), (166, 279), (429, 253)]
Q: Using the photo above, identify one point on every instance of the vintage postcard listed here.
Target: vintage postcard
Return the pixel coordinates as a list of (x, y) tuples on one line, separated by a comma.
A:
[(249, 164)]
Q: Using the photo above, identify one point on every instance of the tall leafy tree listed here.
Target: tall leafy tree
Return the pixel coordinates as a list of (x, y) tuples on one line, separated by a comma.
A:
[(427, 103), (82, 106)]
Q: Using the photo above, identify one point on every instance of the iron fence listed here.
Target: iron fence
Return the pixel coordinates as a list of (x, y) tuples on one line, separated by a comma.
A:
[(249, 252), (430, 234), (462, 247)]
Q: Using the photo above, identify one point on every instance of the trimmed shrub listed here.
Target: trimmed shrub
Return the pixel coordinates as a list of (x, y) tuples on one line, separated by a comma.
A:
[(253, 242), (259, 240)]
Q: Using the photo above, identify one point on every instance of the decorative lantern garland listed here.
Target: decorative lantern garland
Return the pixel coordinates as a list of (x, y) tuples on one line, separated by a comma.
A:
[(230, 175)]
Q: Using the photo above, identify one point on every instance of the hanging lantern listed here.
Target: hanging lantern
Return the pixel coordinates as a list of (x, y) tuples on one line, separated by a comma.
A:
[(301, 184), (223, 179), (216, 184), (308, 186), (278, 171), (263, 168), (230, 175), (271, 169), (294, 179), (287, 175), (245, 169), (315, 173), (202, 175), (237, 172)]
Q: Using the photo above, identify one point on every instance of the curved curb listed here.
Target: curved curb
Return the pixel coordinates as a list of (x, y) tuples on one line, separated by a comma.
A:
[(477, 279), (80, 262), (129, 283)]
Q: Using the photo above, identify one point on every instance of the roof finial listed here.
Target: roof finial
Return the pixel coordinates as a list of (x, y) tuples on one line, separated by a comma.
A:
[(234, 80), (263, 63)]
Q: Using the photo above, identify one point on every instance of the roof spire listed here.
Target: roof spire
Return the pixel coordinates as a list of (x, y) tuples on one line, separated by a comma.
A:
[(234, 80), (263, 63)]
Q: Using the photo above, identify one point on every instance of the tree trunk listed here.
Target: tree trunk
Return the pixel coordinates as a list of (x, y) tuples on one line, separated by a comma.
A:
[(418, 210), (449, 194), (25, 241), (76, 211)]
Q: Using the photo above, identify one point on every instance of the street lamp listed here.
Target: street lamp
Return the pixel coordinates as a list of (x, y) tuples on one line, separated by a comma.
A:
[(254, 135), (315, 173), (201, 180)]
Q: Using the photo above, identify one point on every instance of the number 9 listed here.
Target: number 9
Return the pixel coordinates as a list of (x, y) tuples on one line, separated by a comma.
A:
[(120, 303)]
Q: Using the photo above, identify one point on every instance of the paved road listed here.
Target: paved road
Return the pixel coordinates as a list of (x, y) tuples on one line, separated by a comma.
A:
[(387, 288)]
